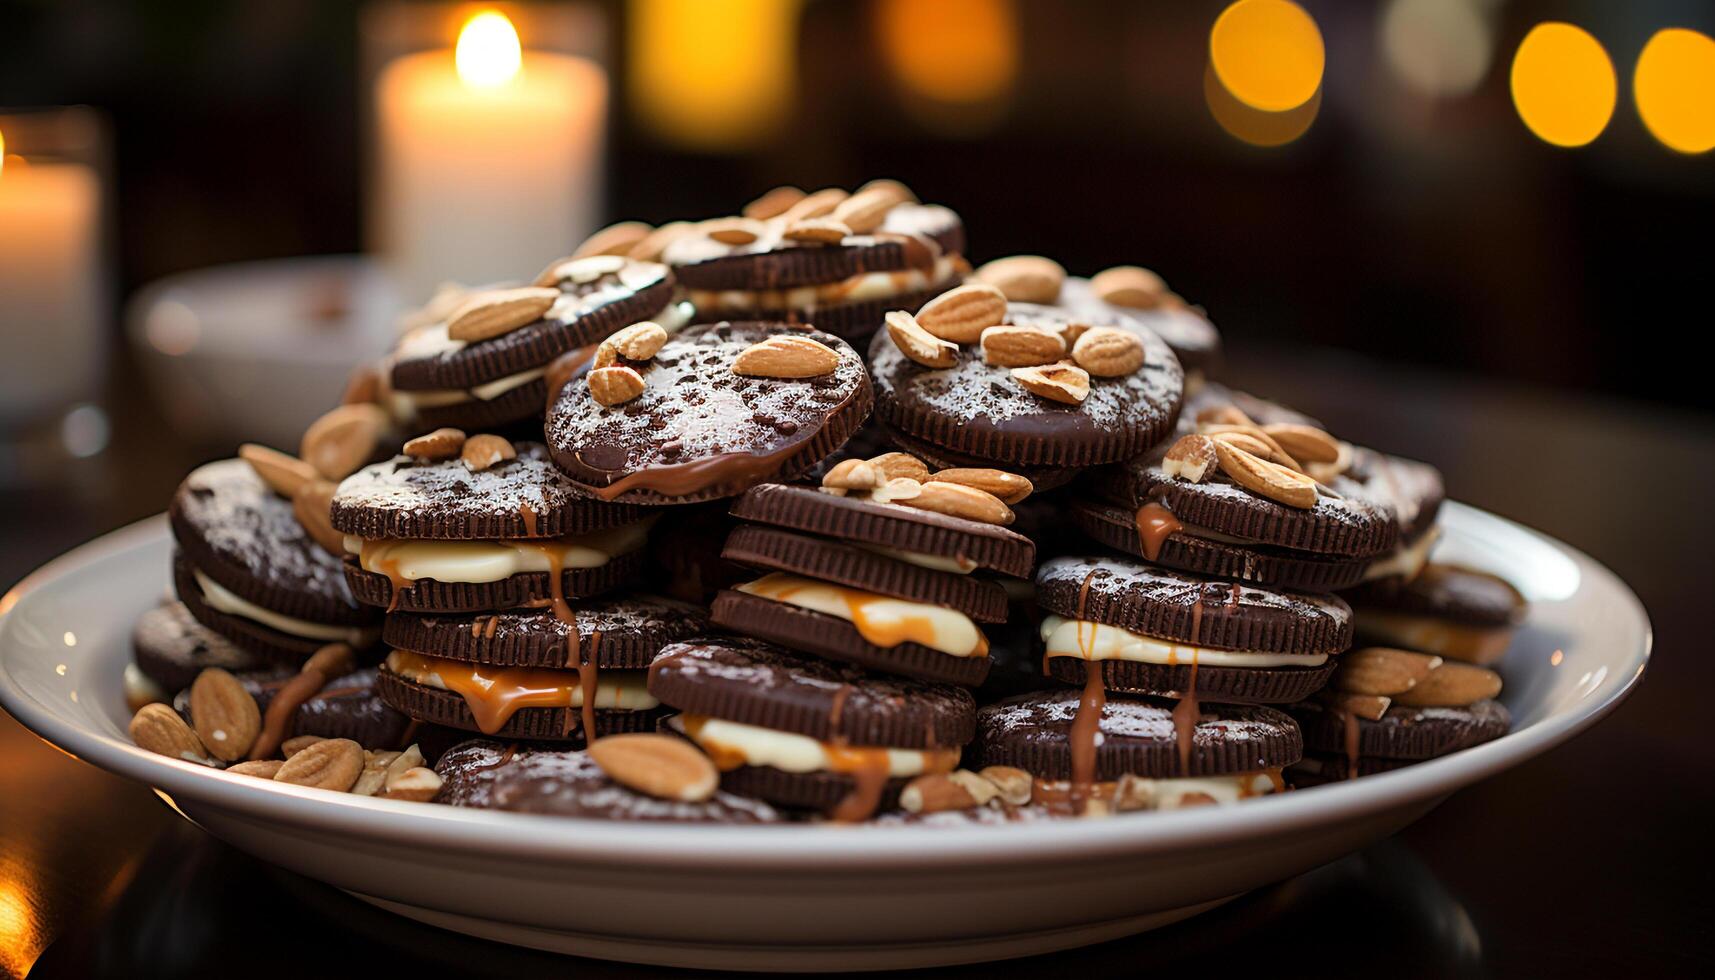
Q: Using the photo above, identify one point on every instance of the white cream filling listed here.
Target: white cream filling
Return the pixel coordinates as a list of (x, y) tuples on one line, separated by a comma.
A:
[(882, 620), (855, 289), (787, 751), (615, 690), (939, 563), (491, 561), (222, 600), (1099, 641), (1405, 562), (141, 689)]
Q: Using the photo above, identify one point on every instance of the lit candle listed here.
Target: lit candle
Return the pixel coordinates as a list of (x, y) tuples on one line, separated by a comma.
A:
[(51, 293), (489, 158)]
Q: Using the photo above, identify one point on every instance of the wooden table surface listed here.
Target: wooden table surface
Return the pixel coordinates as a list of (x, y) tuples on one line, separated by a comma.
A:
[(1590, 860)]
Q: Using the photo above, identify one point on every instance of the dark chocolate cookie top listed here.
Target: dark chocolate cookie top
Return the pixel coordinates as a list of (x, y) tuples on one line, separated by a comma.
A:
[(1186, 329), (525, 497), (912, 235), (620, 632), (980, 409), (1034, 733), (889, 525), (1186, 608), (244, 536), (1451, 592), (1259, 410), (1414, 490), (585, 313), (1404, 732), (753, 683), (493, 775), (699, 430), (1348, 521), (172, 648)]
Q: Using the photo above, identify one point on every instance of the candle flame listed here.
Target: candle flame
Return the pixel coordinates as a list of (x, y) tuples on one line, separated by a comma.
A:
[(488, 54)]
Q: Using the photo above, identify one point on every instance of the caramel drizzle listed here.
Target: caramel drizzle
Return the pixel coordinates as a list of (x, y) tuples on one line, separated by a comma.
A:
[(283, 710), (907, 629), (868, 769), (528, 514), (494, 694), (1155, 524), (1187, 712), (1086, 724)]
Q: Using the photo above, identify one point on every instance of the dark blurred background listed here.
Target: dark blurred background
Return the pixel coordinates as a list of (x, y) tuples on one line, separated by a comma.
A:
[(1417, 216)]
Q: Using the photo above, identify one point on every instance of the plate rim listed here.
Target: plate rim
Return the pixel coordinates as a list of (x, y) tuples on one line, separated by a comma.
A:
[(471, 833)]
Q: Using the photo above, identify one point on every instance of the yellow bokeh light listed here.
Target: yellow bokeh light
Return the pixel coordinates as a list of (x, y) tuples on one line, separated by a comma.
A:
[(713, 74), (1563, 84), (1674, 86), (488, 54), (956, 51), (1253, 125), (1267, 53)]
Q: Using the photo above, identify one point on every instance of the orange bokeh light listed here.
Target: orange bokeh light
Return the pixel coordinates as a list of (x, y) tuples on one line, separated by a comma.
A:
[(1674, 86), (1563, 84)]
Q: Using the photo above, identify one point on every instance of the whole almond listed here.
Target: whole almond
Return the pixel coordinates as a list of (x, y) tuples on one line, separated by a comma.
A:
[(259, 768), (364, 386), (817, 231), (417, 785), (284, 474), (773, 204), (1244, 440), (1222, 415), (483, 451), (656, 242), (1108, 352), (1452, 685), (298, 743), (958, 500), (1015, 785), (578, 270), (1063, 382), (787, 356), (341, 441), (373, 779), (853, 474), (1266, 479), (615, 385), (818, 204), (638, 342), (897, 488), (896, 465), (918, 344), (226, 716), (1009, 487), (616, 239), (935, 793), (661, 766), (332, 763), (1014, 346), (1131, 286), (158, 728), (1306, 443), (897, 190), (734, 231), (961, 315), (1382, 671), (1024, 278), (1328, 472), (1368, 706), (864, 211), (432, 447), (1190, 458), (494, 312), (1253, 440), (312, 505)]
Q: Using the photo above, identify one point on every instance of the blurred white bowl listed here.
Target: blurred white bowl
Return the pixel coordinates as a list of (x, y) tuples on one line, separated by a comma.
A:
[(255, 351)]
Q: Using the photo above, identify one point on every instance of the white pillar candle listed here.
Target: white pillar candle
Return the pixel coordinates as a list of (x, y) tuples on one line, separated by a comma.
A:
[(489, 159), (51, 292)]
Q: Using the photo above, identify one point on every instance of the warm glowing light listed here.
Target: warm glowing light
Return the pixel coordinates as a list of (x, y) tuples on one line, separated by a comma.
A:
[(21, 940), (2, 152), (713, 74), (1267, 53), (1253, 125), (70, 638), (1556, 657), (488, 53), (1674, 86), (1563, 84), (956, 51), (1437, 47)]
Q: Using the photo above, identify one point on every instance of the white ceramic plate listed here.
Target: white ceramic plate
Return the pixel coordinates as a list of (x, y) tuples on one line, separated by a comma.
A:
[(755, 898)]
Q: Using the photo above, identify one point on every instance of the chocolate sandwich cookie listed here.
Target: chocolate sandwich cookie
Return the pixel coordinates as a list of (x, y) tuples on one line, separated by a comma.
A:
[(942, 458), (723, 407), (980, 411), (171, 648), (685, 553), (491, 775), (535, 674), (807, 733), (1149, 630), (248, 570), (1185, 329), (346, 707), (436, 536), (437, 380), (842, 282), (1447, 610), (1416, 492), (1125, 754)]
